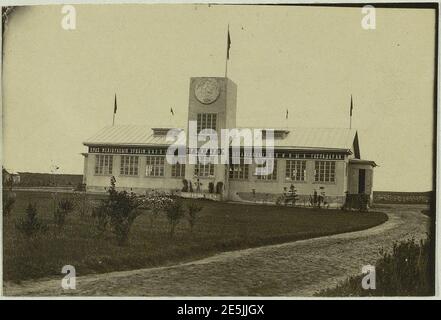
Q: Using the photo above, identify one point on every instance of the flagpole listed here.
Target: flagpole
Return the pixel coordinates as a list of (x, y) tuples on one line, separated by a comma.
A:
[(227, 52), (350, 114), (114, 111)]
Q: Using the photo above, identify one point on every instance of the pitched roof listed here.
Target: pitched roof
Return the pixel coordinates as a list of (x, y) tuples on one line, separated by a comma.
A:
[(294, 138), (133, 135), (313, 138)]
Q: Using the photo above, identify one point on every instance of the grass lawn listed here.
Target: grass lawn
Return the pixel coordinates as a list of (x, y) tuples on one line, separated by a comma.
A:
[(220, 227)]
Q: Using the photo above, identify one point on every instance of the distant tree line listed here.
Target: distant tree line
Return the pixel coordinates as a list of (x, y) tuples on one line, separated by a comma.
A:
[(29, 179)]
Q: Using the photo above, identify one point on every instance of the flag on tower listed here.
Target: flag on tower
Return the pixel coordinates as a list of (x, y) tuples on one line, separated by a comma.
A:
[(350, 113), (115, 107), (352, 107), (228, 43)]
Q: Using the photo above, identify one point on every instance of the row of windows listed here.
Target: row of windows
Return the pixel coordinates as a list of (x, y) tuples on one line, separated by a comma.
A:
[(295, 169), (129, 166)]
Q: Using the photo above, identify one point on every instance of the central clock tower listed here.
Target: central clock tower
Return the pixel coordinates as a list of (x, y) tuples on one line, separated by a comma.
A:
[(212, 104)]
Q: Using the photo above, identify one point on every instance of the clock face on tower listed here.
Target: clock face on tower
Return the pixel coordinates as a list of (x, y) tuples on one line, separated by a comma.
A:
[(207, 90)]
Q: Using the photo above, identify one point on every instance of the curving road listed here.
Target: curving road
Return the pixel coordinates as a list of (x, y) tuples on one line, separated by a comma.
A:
[(298, 268)]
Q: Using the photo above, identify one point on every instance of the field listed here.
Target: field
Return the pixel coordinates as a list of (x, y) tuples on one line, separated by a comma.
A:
[(220, 227)]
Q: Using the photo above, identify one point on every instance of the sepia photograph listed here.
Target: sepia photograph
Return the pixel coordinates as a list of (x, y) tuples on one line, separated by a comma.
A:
[(219, 150)]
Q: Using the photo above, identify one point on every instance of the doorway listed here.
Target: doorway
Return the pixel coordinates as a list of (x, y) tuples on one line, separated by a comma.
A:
[(361, 180)]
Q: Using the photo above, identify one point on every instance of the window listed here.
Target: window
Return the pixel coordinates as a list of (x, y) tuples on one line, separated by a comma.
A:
[(204, 170), (295, 170), (129, 166), (271, 176), (178, 170), (206, 121), (103, 164), (154, 166), (239, 171), (324, 171)]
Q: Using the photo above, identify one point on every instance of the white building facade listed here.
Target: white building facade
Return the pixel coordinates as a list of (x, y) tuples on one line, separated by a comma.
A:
[(315, 161)]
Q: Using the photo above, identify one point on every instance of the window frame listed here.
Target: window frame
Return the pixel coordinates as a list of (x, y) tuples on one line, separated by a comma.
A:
[(131, 163), (101, 164), (209, 165), (157, 166), (243, 167), (181, 170), (324, 171), (299, 166), (205, 118)]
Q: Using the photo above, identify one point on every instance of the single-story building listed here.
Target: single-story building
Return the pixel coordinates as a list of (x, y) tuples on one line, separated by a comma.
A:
[(316, 161)]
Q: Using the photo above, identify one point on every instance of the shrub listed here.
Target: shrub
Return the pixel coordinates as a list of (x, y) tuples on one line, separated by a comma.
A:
[(156, 202), (30, 225), (81, 203), (118, 211), (219, 187), (357, 201), (174, 212), (290, 196), (364, 202), (185, 187), (405, 271), (80, 187), (193, 209), (316, 200), (101, 218), (64, 207), (211, 187)]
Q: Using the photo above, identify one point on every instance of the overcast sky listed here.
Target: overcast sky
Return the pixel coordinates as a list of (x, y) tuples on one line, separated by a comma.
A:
[(59, 85)]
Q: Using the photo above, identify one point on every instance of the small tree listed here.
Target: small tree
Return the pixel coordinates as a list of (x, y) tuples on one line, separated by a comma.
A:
[(120, 208), (65, 206), (30, 225), (174, 212), (193, 209)]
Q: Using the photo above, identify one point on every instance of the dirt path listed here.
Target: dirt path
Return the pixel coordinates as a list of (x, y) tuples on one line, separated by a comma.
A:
[(292, 269)]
